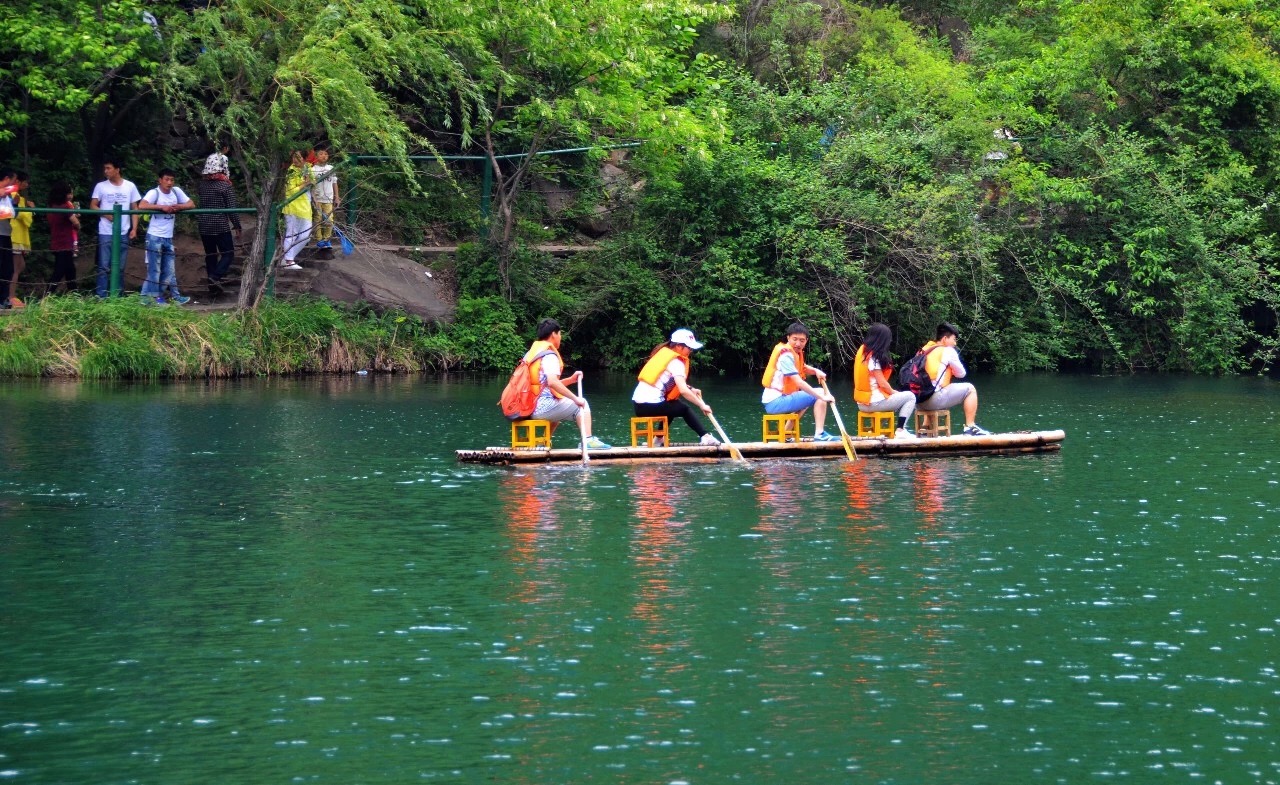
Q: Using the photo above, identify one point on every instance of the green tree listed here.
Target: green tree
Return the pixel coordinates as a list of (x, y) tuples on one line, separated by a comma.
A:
[(270, 77), (90, 58), (556, 73)]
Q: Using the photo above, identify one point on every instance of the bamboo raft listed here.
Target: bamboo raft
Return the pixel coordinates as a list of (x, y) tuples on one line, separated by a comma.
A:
[(871, 447)]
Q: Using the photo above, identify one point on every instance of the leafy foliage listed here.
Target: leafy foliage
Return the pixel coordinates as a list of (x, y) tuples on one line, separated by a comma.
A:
[(1085, 184)]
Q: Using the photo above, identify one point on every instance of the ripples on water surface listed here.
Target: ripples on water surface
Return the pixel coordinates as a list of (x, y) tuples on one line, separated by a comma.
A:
[(295, 582)]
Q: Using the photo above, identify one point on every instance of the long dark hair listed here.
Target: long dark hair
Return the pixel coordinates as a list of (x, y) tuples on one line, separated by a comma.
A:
[(58, 194), (879, 338)]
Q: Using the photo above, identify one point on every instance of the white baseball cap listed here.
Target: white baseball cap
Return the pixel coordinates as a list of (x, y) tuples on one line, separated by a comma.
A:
[(685, 337)]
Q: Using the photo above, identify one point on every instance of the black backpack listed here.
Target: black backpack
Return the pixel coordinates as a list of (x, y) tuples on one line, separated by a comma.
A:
[(914, 376)]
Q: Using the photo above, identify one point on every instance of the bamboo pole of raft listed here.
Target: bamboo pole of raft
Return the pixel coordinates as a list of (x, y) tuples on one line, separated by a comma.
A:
[(879, 447), (734, 451), (844, 435)]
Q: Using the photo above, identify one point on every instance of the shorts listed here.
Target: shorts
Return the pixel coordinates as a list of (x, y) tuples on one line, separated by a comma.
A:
[(21, 248), (951, 395), (558, 410), (786, 404)]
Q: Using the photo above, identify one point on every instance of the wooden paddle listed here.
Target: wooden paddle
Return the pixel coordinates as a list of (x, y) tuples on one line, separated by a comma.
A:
[(733, 451), (844, 435), (581, 432)]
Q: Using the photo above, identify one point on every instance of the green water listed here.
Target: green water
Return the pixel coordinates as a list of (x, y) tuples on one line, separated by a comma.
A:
[(293, 581)]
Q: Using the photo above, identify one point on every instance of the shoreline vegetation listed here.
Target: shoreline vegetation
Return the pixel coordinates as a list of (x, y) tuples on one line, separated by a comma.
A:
[(87, 338)]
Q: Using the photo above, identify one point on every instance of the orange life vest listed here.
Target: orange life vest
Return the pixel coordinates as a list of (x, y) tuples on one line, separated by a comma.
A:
[(862, 376), (933, 364), (783, 384), (533, 357), (652, 371)]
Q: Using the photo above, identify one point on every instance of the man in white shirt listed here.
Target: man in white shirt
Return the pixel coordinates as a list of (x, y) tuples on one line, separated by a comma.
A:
[(166, 199), (943, 366), (556, 402), (115, 190)]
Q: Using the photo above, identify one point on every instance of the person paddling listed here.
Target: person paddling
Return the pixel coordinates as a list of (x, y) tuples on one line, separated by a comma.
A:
[(664, 381), (785, 389), (556, 402)]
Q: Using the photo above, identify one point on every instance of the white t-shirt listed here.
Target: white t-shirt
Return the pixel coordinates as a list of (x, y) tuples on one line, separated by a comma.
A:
[(326, 178), (877, 394), (162, 223), (786, 367), (648, 393), (108, 196), (550, 366)]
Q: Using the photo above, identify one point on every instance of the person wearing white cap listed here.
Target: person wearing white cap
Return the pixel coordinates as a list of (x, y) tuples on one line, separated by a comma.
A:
[(664, 381)]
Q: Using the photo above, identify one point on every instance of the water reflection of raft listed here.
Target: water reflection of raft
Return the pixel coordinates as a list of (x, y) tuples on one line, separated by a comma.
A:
[(995, 444)]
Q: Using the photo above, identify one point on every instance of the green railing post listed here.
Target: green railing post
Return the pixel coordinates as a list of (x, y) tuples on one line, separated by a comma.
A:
[(117, 275), (486, 190), (269, 250)]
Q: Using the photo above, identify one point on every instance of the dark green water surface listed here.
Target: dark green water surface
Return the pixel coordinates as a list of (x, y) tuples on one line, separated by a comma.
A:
[(295, 582)]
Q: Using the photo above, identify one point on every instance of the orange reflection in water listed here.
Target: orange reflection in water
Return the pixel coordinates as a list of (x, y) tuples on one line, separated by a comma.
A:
[(659, 546), (531, 520), (786, 521), (931, 480)]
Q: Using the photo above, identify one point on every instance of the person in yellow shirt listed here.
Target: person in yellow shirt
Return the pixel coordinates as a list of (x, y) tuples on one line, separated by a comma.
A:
[(297, 214), (21, 241)]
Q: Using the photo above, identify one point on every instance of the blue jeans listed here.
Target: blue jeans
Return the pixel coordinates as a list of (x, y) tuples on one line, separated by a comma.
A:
[(104, 261), (161, 278), (797, 401)]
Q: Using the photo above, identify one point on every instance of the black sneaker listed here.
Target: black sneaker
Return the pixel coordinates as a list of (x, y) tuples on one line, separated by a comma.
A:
[(975, 430)]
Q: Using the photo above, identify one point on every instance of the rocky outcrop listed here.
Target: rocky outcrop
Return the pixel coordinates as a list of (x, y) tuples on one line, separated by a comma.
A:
[(384, 280)]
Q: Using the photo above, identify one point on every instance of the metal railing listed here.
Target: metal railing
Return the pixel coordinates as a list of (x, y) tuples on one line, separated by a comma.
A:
[(117, 213), (486, 187)]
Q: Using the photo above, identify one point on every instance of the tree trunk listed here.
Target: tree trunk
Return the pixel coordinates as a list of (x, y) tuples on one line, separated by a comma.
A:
[(255, 276), (502, 218)]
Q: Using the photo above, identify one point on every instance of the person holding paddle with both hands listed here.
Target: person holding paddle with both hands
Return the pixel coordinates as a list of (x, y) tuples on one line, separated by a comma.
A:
[(556, 402), (664, 381), (786, 391)]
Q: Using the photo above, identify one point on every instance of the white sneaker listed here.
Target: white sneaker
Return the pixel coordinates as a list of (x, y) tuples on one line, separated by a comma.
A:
[(292, 266), (903, 433), (709, 440)]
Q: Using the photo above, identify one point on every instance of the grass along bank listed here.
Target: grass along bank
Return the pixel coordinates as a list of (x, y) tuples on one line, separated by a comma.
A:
[(89, 338)]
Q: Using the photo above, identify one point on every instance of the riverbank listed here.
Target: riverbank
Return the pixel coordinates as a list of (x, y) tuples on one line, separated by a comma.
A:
[(88, 338)]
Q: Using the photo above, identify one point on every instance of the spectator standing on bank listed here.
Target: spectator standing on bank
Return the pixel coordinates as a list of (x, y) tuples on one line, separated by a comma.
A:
[(215, 192), (324, 194), (166, 199), (218, 161), (297, 213), (63, 230), (21, 240), (115, 190), (7, 177)]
